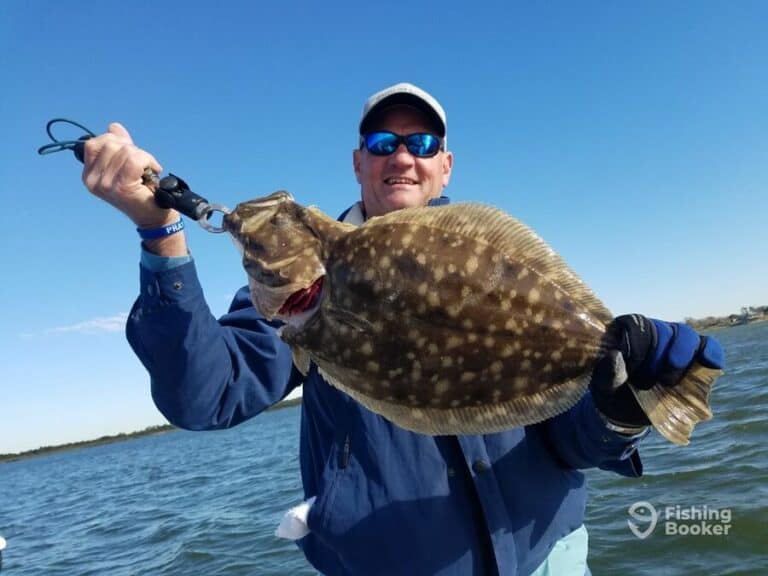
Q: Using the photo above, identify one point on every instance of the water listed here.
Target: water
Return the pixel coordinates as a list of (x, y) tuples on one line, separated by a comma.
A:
[(207, 503)]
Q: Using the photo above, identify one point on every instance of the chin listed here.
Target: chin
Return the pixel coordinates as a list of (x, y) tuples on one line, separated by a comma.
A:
[(400, 201)]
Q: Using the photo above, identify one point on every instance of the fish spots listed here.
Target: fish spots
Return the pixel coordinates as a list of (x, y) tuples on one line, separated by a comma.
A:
[(467, 323), (489, 341), (547, 368), (433, 299), (496, 367), (372, 366), (534, 295), (422, 288), (432, 348), (451, 268), (406, 239), (369, 274), (556, 356), (523, 273), (366, 348), (442, 386), (438, 273), (467, 377), (471, 264), (385, 262), (453, 342), (421, 258)]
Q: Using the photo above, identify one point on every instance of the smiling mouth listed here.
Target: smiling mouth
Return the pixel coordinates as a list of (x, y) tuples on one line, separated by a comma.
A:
[(399, 180), (302, 300)]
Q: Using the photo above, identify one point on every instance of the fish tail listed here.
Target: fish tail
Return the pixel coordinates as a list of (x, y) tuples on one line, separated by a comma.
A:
[(674, 411)]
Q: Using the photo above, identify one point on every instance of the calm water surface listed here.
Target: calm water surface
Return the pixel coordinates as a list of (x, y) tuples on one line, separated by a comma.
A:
[(186, 503)]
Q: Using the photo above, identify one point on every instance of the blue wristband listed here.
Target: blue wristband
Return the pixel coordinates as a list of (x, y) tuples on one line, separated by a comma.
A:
[(162, 232)]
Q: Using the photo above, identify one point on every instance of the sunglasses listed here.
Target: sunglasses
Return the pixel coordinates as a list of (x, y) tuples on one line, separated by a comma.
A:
[(385, 143)]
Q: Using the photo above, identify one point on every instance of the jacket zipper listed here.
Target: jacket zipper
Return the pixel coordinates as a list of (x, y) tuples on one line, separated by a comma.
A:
[(345, 453)]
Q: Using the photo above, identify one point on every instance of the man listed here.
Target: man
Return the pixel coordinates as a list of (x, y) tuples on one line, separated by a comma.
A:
[(387, 501)]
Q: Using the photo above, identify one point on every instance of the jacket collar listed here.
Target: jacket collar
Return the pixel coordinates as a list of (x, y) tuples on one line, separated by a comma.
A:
[(355, 215)]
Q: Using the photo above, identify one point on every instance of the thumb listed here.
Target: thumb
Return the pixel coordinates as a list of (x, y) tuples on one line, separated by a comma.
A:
[(610, 373), (119, 130)]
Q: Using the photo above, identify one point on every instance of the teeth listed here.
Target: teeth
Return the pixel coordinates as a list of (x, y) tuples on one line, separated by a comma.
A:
[(399, 181)]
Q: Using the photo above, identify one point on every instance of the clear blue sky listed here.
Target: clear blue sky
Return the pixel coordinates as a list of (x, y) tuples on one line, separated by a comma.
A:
[(632, 136)]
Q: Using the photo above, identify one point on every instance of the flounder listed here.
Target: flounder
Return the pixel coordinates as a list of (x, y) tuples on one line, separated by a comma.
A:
[(455, 319)]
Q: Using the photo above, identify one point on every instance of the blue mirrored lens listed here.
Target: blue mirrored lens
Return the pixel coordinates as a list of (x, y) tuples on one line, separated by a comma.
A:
[(385, 143), (422, 144), (382, 143)]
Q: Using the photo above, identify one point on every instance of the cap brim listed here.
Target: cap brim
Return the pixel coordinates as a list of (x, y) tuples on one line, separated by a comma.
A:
[(402, 99)]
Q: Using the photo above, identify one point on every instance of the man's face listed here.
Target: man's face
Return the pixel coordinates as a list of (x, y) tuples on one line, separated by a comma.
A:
[(400, 180)]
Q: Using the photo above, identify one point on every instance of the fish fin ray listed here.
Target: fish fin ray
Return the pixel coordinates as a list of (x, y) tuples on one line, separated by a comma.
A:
[(301, 359), (507, 234), (674, 411), (487, 419)]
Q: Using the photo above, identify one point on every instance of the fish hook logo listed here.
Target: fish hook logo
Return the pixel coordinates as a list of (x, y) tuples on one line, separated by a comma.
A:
[(643, 512)]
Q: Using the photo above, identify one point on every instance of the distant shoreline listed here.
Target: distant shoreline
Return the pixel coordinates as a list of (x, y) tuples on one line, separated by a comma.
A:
[(122, 437), (726, 324)]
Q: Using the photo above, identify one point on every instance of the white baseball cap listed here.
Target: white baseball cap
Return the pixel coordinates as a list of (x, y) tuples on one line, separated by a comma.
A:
[(407, 94)]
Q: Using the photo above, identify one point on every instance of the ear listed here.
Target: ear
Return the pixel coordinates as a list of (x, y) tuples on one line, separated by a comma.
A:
[(356, 160), (447, 167)]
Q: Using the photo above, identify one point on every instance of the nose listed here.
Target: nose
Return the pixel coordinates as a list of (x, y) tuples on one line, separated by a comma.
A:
[(401, 156)]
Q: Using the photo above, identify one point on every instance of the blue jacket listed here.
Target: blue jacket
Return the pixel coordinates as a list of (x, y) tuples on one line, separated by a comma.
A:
[(389, 501)]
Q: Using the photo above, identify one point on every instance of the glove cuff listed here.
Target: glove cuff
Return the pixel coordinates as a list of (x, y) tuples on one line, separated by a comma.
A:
[(624, 429)]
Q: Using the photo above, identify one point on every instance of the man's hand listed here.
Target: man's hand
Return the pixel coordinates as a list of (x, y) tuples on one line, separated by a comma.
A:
[(113, 171), (648, 351)]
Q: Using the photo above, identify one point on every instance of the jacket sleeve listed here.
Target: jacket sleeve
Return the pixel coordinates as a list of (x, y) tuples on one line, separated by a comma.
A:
[(580, 439), (206, 373)]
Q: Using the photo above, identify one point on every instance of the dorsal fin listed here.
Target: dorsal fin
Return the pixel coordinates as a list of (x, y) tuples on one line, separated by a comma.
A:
[(506, 234)]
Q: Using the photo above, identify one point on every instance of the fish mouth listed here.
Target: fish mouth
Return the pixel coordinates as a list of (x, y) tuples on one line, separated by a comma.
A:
[(302, 300)]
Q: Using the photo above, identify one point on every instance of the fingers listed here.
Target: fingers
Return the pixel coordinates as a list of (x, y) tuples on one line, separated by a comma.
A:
[(119, 130), (684, 345), (711, 354), (113, 170)]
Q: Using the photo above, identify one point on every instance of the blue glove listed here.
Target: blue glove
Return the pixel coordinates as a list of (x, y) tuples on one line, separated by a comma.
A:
[(653, 351)]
